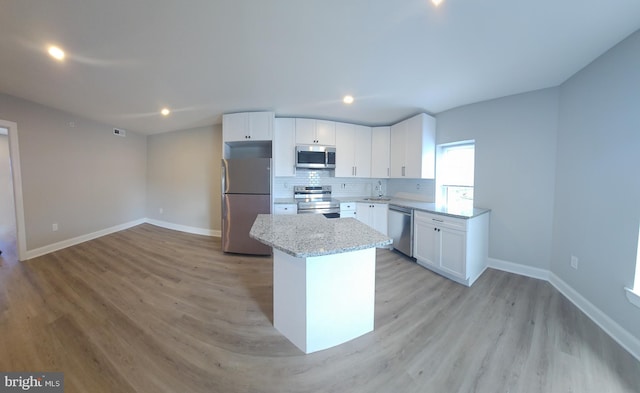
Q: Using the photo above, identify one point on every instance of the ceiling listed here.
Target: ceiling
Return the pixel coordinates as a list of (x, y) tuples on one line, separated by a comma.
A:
[(201, 58)]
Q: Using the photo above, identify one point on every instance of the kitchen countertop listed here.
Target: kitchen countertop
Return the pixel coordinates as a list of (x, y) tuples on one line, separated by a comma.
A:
[(310, 235), (284, 201), (429, 207)]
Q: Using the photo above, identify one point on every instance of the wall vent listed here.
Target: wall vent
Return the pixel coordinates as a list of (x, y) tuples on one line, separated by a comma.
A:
[(119, 132)]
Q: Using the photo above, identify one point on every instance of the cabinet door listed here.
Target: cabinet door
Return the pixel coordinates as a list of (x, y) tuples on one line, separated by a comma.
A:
[(260, 126), (380, 146), (325, 132), (426, 242), (235, 127), (379, 217), (363, 213), (362, 151), (305, 131), (345, 150), (413, 148), (453, 252), (284, 155), (397, 151), (420, 147)]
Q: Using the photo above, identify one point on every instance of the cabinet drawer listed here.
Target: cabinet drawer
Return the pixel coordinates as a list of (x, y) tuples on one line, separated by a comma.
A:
[(459, 224), (285, 209), (347, 206)]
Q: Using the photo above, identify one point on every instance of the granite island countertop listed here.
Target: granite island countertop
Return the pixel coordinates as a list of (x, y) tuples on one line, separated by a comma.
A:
[(310, 235)]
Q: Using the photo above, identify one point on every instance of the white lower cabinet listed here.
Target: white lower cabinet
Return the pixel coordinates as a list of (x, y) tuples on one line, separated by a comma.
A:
[(456, 248), (285, 208), (347, 209), (374, 215)]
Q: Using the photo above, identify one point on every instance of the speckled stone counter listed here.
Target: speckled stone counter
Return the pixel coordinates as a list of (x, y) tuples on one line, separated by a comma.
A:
[(307, 235), (324, 274), (429, 207)]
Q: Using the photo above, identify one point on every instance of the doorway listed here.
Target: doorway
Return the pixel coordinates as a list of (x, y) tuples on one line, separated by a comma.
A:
[(8, 232), (12, 231)]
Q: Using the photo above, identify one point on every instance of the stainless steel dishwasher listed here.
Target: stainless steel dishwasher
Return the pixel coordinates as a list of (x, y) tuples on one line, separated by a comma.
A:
[(400, 226)]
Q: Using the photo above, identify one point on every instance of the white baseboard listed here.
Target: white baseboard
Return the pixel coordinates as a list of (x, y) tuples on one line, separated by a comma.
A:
[(613, 329), (184, 228), (617, 332), (519, 269), (30, 254)]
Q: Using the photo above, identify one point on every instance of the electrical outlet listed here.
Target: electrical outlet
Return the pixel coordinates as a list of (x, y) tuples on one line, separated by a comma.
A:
[(574, 262), (418, 186), (54, 226)]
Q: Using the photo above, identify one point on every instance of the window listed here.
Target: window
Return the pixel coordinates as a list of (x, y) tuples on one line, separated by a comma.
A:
[(454, 176), (633, 294)]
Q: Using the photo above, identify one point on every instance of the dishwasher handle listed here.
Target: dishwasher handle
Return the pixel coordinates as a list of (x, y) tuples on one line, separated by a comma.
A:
[(401, 209)]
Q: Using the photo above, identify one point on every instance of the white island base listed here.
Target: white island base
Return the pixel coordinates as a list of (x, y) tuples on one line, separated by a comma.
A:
[(322, 301)]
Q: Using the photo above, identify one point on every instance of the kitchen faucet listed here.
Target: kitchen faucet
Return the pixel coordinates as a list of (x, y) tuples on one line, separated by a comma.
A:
[(380, 189)]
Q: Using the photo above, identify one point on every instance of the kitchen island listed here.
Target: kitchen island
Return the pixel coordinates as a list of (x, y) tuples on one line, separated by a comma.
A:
[(323, 277)]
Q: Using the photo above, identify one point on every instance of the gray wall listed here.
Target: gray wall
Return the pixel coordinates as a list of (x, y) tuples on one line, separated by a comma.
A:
[(597, 210), (7, 212), (78, 175), (184, 177), (514, 169)]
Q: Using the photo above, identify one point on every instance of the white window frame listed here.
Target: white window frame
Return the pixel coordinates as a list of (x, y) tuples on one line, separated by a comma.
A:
[(441, 188)]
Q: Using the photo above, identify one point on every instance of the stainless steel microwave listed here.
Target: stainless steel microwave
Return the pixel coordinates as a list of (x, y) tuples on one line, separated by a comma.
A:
[(315, 157)]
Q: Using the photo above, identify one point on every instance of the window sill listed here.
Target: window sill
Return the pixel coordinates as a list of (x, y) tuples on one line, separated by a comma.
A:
[(634, 297)]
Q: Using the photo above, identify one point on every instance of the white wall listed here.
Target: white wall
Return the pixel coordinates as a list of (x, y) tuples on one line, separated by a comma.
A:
[(514, 169), (183, 178), (75, 172), (597, 209)]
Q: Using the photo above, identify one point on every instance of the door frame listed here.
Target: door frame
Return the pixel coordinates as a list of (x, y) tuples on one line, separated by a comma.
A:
[(14, 155)]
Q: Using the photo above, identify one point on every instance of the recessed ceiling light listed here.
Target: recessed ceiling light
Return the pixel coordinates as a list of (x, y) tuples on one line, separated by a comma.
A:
[(348, 99), (56, 53), (436, 2), (165, 111)]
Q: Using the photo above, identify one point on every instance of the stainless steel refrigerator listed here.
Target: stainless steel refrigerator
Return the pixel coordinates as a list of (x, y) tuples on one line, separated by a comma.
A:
[(246, 192)]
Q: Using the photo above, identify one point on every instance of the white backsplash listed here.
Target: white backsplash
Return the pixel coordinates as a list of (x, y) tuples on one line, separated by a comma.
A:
[(417, 189), (340, 186)]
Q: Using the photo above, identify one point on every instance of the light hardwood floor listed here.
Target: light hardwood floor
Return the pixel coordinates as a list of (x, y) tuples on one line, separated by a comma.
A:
[(154, 310)]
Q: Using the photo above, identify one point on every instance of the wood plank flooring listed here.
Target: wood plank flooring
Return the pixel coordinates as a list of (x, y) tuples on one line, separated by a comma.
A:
[(154, 310)]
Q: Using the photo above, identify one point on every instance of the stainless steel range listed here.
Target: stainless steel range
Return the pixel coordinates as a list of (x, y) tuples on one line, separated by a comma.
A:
[(316, 200)]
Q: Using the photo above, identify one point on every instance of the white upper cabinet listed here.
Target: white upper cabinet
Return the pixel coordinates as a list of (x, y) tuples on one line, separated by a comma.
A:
[(247, 126), (380, 146), (353, 150), (284, 144), (315, 132), (412, 153)]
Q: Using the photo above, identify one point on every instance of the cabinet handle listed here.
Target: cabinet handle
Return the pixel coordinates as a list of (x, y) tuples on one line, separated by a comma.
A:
[(388, 174), (403, 171), (355, 171), (435, 219)]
